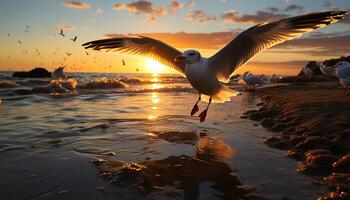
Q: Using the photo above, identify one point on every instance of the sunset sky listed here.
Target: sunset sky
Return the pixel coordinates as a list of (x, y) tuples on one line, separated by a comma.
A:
[(29, 31)]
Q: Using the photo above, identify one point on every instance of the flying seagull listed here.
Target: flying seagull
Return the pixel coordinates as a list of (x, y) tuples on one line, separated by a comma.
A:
[(123, 62), (206, 75), (74, 39), (61, 33)]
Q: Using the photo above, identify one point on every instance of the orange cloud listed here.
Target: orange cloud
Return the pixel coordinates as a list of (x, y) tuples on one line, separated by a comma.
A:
[(260, 16), (200, 16), (77, 5), (66, 27), (143, 7)]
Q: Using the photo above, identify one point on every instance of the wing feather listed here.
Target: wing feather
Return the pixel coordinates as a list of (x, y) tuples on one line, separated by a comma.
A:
[(262, 36), (141, 46)]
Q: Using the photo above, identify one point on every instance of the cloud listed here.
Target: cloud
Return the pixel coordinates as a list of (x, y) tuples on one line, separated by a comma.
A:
[(99, 10), (294, 7), (66, 27), (200, 16), (272, 9), (77, 5), (174, 6), (190, 4), (143, 7), (260, 16)]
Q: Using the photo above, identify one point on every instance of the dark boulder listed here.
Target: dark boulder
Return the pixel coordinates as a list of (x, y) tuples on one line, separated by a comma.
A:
[(34, 73), (314, 67)]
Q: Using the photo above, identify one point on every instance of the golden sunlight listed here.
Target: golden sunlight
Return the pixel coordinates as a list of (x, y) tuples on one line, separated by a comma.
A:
[(155, 67)]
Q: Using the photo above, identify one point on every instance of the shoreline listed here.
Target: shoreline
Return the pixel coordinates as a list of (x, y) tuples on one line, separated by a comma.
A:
[(311, 122)]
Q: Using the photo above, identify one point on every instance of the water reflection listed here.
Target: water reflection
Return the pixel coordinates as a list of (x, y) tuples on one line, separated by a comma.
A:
[(189, 177), (153, 115)]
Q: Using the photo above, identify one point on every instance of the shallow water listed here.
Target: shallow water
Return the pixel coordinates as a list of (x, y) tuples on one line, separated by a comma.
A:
[(50, 138)]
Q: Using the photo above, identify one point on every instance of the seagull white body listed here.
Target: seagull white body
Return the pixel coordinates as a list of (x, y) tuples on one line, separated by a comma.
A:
[(342, 71), (201, 78), (207, 75), (58, 73)]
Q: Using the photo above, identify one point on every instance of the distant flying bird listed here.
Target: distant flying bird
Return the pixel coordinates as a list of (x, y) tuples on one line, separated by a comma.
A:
[(19, 41), (25, 30), (252, 80), (87, 53), (137, 69), (74, 39), (9, 34), (68, 54), (308, 72), (58, 73), (123, 62), (27, 27), (207, 74), (61, 33)]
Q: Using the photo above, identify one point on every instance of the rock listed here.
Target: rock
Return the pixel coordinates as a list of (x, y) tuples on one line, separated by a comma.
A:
[(295, 139), (278, 143), (34, 73), (316, 164), (317, 152), (278, 127), (267, 122), (314, 68), (296, 154), (343, 164), (335, 196), (314, 142)]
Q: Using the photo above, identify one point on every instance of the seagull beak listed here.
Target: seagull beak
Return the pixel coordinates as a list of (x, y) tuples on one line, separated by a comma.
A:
[(179, 58)]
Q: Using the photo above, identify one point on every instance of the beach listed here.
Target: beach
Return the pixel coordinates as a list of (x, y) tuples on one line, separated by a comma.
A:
[(131, 137), (311, 123)]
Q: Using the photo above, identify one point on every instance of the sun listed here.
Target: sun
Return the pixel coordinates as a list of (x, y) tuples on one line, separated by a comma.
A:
[(155, 67)]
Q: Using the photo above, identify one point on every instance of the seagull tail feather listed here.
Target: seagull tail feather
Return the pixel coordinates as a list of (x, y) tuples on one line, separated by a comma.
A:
[(224, 95)]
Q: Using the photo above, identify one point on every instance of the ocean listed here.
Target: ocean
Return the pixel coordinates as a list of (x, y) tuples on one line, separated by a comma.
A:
[(131, 136)]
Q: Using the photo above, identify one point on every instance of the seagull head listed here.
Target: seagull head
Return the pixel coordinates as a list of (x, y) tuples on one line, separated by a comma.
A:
[(189, 57)]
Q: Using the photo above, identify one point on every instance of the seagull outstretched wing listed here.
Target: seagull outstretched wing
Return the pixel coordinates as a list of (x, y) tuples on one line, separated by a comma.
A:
[(262, 36), (143, 46)]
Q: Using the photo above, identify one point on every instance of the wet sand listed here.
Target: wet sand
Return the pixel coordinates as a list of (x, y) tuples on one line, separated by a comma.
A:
[(311, 121)]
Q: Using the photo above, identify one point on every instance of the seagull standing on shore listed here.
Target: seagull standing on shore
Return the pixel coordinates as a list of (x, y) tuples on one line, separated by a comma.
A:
[(207, 75), (343, 73)]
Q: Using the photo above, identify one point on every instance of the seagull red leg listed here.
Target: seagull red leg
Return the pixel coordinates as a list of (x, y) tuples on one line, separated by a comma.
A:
[(195, 107), (203, 114)]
